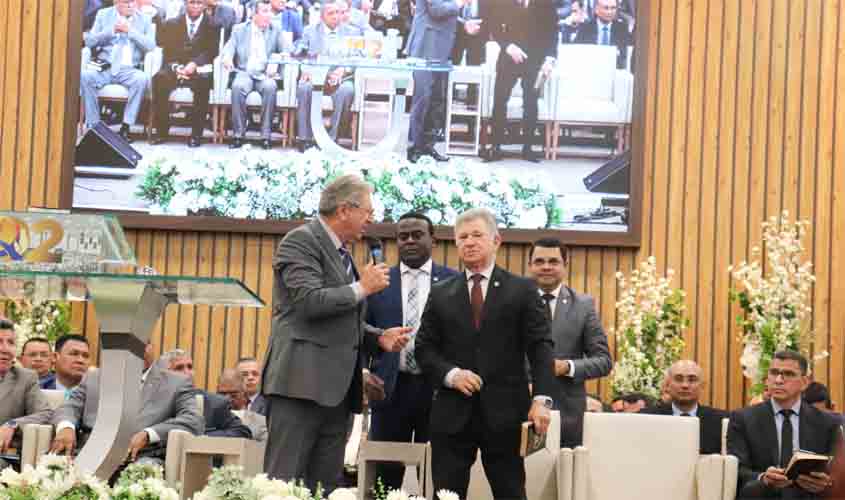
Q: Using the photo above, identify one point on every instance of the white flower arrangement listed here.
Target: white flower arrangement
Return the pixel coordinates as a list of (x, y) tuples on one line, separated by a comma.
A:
[(53, 478), (48, 319), (228, 483), (650, 334), (259, 184), (143, 482), (774, 298)]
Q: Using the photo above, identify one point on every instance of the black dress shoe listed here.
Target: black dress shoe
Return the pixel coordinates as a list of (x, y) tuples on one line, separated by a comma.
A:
[(194, 142), (303, 145), (530, 155), (265, 144), (437, 156), (237, 142), (124, 132), (414, 155), (490, 155)]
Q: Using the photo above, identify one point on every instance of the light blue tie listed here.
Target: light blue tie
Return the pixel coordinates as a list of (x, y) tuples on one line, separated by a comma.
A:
[(605, 35)]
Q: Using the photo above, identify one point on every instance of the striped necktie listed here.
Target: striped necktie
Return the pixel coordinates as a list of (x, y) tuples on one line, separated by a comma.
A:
[(346, 258)]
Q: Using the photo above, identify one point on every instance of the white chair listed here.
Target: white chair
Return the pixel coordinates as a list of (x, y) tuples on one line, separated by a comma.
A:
[(725, 422), (468, 76), (372, 452), (369, 83), (36, 438), (589, 91), (648, 456)]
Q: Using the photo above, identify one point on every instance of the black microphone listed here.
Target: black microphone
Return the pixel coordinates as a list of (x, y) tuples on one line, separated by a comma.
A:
[(376, 250)]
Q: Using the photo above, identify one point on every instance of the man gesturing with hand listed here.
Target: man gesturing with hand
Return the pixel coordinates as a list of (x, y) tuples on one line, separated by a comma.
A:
[(475, 334), (312, 377)]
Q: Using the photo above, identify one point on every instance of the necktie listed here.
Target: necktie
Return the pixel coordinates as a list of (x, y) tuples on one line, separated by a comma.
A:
[(548, 298), (412, 319), (476, 300), (192, 29), (786, 437), (347, 262), (605, 35)]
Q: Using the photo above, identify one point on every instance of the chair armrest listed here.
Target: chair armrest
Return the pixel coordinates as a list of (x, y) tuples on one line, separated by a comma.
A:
[(35, 442), (581, 474), (173, 458), (731, 476), (565, 474), (623, 94), (155, 59), (221, 78), (709, 477)]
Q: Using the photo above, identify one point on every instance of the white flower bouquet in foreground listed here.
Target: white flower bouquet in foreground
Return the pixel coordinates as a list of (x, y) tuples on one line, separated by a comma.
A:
[(273, 185), (775, 298), (143, 482), (54, 478), (229, 483), (650, 334)]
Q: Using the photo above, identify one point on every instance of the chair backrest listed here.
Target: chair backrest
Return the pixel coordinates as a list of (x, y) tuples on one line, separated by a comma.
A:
[(586, 71), (652, 455), (200, 403), (725, 422), (54, 398)]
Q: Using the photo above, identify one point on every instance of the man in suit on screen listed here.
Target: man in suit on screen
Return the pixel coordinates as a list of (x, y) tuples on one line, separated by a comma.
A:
[(580, 350), (399, 393), (606, 28), (476, 332), (312, 378)]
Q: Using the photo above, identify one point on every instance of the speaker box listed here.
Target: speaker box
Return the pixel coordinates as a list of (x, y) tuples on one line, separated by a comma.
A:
[(612, 177), (103, 147)]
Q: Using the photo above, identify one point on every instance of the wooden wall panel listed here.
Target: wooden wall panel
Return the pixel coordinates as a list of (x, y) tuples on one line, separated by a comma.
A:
[(745, 117)]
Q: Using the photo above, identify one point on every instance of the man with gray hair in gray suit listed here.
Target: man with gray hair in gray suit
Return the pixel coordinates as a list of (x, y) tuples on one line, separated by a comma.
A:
[(248, 51), (312, 375), (120, 37), (580, 351)]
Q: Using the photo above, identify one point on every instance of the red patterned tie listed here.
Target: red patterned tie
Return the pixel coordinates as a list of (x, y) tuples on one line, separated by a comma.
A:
[(476, 300)]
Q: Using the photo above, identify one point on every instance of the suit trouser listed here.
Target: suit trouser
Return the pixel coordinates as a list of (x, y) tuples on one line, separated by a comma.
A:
[(428, 95), (91, 81), (452, 456), (305, 441), (507, 72), (241, 87), (756, 489), (163, 84), (571, 420), (403, 418), (341, 104)]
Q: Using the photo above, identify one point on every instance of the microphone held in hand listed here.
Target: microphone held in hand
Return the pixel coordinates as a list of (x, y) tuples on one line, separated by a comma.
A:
[(376, 250)]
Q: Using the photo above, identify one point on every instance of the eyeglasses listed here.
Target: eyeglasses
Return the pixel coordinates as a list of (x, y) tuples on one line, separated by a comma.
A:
[(786, 374), (370, 211)]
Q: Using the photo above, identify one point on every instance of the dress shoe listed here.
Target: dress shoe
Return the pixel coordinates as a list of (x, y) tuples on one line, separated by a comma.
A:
[(490, 155), (237, 142), (265, 144), (157, 139), (414, 155), (194, 142), (303, 145), (530, 155), (437, 156), (124, 132)]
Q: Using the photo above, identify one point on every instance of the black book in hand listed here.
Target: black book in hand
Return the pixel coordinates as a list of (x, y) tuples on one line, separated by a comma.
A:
[(805, 462), (530, 440)]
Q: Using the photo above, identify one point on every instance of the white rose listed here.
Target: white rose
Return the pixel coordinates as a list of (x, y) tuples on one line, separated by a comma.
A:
[(343, 494)]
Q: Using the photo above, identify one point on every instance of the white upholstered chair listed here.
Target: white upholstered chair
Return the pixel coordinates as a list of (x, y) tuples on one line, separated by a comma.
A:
[(36, 438), (648, 456)]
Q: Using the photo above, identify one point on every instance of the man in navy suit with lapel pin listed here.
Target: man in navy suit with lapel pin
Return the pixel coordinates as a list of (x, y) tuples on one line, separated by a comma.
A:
[(475, 334), (400, 397), (580, 350)]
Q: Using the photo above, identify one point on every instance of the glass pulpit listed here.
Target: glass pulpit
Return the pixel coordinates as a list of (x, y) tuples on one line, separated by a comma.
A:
[(70, 257)]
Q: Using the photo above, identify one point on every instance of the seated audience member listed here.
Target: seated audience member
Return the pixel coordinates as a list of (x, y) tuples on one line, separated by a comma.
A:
[(573, 18), (607, 29), (250, 372), (72, 359), (287, 19), (316, 41), (167, 403), (156, 14), (248, 51), (221, 16), (23, 401), (816, 394), (634, 402), (120, 38), (89, 13), (617, 405), (684, 389), (37, 356), (219, 419), (188, 43), (231, 385), (763, 437), (356, 20), (594, 404)]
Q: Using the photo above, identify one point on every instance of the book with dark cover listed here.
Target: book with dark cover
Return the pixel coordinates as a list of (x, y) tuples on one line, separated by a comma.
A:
[(531, 440), (805, 462)]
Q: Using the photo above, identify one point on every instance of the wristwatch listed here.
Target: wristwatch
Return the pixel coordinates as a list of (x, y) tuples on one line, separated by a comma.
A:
[(547, 401)]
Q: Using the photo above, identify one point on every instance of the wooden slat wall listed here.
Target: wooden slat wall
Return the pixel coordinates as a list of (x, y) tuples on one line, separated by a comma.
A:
[(746, 118)]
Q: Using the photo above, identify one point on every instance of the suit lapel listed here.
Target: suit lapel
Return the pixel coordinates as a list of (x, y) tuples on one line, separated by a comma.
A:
[(460, 297), (563, 304), (494, 295), (766, 422), (328, 247)]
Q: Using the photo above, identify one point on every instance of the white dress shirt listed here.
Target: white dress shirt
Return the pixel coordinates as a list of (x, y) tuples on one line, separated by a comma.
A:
[(794, 418), (257, 52), (677, 411), (196, 24), (552, 308), (421, 279)]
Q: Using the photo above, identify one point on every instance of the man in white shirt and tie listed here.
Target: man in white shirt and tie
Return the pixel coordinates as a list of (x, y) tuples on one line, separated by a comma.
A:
[(248, 51), (71, 360), (580, 351)]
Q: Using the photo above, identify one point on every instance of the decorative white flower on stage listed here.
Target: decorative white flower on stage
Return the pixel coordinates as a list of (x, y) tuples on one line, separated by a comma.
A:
[(343, 494), (447, 495)]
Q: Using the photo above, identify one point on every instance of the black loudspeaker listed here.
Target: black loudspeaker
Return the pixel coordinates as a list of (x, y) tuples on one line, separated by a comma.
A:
[(612, 177), (103, 147)]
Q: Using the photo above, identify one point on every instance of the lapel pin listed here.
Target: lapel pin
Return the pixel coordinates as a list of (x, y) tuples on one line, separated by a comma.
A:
[(495, 284), (436, 278)]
